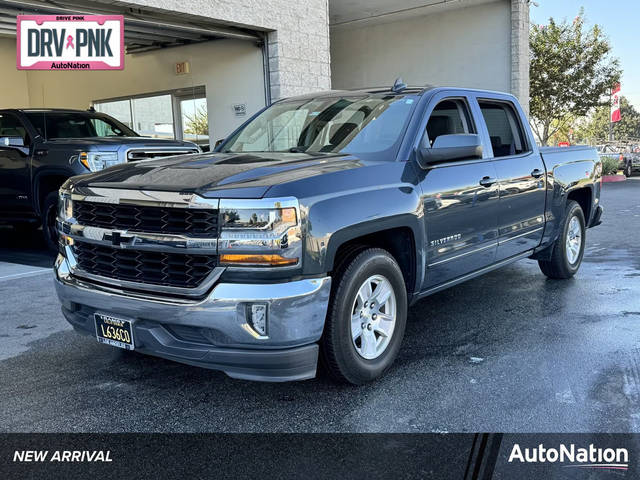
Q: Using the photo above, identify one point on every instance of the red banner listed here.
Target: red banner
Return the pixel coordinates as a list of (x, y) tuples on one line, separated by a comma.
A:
[(615, 103)]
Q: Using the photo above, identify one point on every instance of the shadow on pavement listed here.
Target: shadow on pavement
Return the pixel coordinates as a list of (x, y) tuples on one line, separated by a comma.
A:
[(24, 247)]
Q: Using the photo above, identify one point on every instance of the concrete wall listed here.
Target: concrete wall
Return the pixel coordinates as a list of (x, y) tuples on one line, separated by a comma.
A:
[(298, 35), (14, 92), (230, 70), (468, 47)]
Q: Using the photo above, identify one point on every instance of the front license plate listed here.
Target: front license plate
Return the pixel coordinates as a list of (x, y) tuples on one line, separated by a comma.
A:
[(114, 331)]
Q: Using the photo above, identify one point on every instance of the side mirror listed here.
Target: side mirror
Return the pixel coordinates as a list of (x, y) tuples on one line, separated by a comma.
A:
[(11, 142), (449, 147), (218, 142)]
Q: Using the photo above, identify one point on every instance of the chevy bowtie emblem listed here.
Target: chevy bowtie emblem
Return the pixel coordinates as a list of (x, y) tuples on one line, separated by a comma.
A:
[(116, 238)]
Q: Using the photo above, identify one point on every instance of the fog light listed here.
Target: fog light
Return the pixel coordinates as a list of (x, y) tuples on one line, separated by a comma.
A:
[(257, 313)]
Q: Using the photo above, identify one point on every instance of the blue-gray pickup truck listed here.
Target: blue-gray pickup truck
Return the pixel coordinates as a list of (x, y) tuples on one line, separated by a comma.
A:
[(312, 228), (41, 148)]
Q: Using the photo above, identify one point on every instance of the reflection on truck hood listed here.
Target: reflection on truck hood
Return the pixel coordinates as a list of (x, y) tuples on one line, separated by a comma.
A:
[(219, 174)]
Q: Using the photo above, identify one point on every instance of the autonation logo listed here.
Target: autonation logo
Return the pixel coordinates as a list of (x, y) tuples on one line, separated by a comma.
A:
[(572, 456)]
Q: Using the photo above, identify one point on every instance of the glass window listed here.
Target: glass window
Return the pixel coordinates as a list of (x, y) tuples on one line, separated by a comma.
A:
[(118, 109), (11, 126), (359, 125), (449, 117), (77, 125), (504, 128), (195, 120), (154, 116)]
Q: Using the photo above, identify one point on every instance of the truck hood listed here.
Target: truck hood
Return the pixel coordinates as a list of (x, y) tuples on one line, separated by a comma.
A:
[(211, 175), (114, 143)]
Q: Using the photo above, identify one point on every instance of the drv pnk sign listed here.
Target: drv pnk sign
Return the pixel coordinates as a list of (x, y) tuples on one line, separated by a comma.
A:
[(70, 42)]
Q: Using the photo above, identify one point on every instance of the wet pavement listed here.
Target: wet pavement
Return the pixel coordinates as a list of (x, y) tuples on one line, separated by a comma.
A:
[(510, 352)]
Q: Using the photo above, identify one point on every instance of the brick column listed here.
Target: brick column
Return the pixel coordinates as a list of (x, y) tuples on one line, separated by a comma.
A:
[(520, 51), (299, 58)]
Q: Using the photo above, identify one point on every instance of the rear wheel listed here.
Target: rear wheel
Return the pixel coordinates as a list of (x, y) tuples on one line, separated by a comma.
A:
[(628, 171), (568, 249), (366, 318), (49, 214)]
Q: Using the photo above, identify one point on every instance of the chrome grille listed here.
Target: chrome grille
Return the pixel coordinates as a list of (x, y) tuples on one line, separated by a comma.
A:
[(137, 155), (138, 218), (140, 266)]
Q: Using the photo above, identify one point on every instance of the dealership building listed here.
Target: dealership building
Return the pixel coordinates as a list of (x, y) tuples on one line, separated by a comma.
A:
[(229, 58)]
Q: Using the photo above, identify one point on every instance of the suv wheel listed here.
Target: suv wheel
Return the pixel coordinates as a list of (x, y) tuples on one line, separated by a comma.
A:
[(49, 214), (568, 249), (627, 171), (366, 319)]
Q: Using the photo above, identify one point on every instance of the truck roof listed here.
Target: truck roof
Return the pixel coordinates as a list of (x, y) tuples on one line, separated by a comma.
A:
[(386, 90), (36, 110)]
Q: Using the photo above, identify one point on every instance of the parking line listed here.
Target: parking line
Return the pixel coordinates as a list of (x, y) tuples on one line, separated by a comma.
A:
[(26, 274)]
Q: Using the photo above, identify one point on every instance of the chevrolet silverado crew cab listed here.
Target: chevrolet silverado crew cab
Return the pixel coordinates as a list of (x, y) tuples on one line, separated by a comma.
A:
[(40, 149), (314, 226)]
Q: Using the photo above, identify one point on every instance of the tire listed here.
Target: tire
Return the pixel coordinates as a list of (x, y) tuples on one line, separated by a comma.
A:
[(347, 358), (49, 214), (628, 171), (565, 262)]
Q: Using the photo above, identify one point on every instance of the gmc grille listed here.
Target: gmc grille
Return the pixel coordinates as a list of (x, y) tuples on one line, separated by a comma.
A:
[(136, 155), (156, 268), (183, 221)]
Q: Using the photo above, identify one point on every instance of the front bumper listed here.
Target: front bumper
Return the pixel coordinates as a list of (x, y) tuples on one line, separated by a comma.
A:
[(213, 332)]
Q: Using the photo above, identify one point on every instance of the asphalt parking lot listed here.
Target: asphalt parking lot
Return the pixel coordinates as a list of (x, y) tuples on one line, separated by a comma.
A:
[(510, 352)]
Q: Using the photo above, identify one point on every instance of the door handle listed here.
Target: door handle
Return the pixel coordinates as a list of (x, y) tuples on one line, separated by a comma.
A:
[(537, 173), (41, 152), (487, 181)]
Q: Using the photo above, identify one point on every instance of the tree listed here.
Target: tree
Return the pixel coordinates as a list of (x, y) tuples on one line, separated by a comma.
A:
[(571, 73), (198, 123), (595, 129)]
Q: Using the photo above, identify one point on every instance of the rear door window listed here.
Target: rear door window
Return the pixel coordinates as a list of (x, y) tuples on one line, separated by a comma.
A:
[(504, 128)]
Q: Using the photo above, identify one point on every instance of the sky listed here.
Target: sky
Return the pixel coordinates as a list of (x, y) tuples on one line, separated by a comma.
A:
[(620, 21)]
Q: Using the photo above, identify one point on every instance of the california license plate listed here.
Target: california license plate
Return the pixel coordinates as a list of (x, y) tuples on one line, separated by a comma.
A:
[(114, 331)]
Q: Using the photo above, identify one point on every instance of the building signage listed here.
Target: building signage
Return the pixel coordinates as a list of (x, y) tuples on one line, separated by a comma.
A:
[(70, 42), (615, 103), (183, 68), (240, 109)]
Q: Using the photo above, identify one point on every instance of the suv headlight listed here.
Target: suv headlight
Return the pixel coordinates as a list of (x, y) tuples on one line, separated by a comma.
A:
[(260, 233), (96, 161)]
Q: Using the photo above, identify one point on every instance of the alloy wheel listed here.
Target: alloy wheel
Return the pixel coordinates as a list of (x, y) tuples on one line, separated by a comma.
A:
[(373, 317)]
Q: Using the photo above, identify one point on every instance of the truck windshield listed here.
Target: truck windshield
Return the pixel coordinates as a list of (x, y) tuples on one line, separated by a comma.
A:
[(358, 125), (52, 125)]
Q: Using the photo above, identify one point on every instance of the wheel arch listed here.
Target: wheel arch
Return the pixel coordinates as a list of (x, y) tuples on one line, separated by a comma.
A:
[(45, 183), (399, 236)]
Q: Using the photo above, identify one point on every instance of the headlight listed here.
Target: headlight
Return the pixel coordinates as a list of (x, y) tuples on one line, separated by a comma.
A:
[(65, 207), (260, 233), (96, 161)]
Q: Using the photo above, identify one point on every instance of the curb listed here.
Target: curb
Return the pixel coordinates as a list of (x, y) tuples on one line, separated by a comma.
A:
[(613, 178)]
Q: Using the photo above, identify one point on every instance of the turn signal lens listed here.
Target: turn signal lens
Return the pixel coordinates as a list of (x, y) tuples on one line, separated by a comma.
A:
[(259, 260), (83, 160)]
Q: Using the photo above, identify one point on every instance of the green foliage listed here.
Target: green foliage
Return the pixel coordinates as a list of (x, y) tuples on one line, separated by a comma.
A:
[(198, 123), (595, 129), (609, 166), (571, 73)]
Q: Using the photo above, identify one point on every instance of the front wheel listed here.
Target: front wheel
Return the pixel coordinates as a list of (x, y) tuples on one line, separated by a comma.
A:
[(628, 171), (568, 249), (366, 318)]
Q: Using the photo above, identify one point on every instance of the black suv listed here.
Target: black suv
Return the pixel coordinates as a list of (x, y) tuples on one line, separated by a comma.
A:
[(40, 149)]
